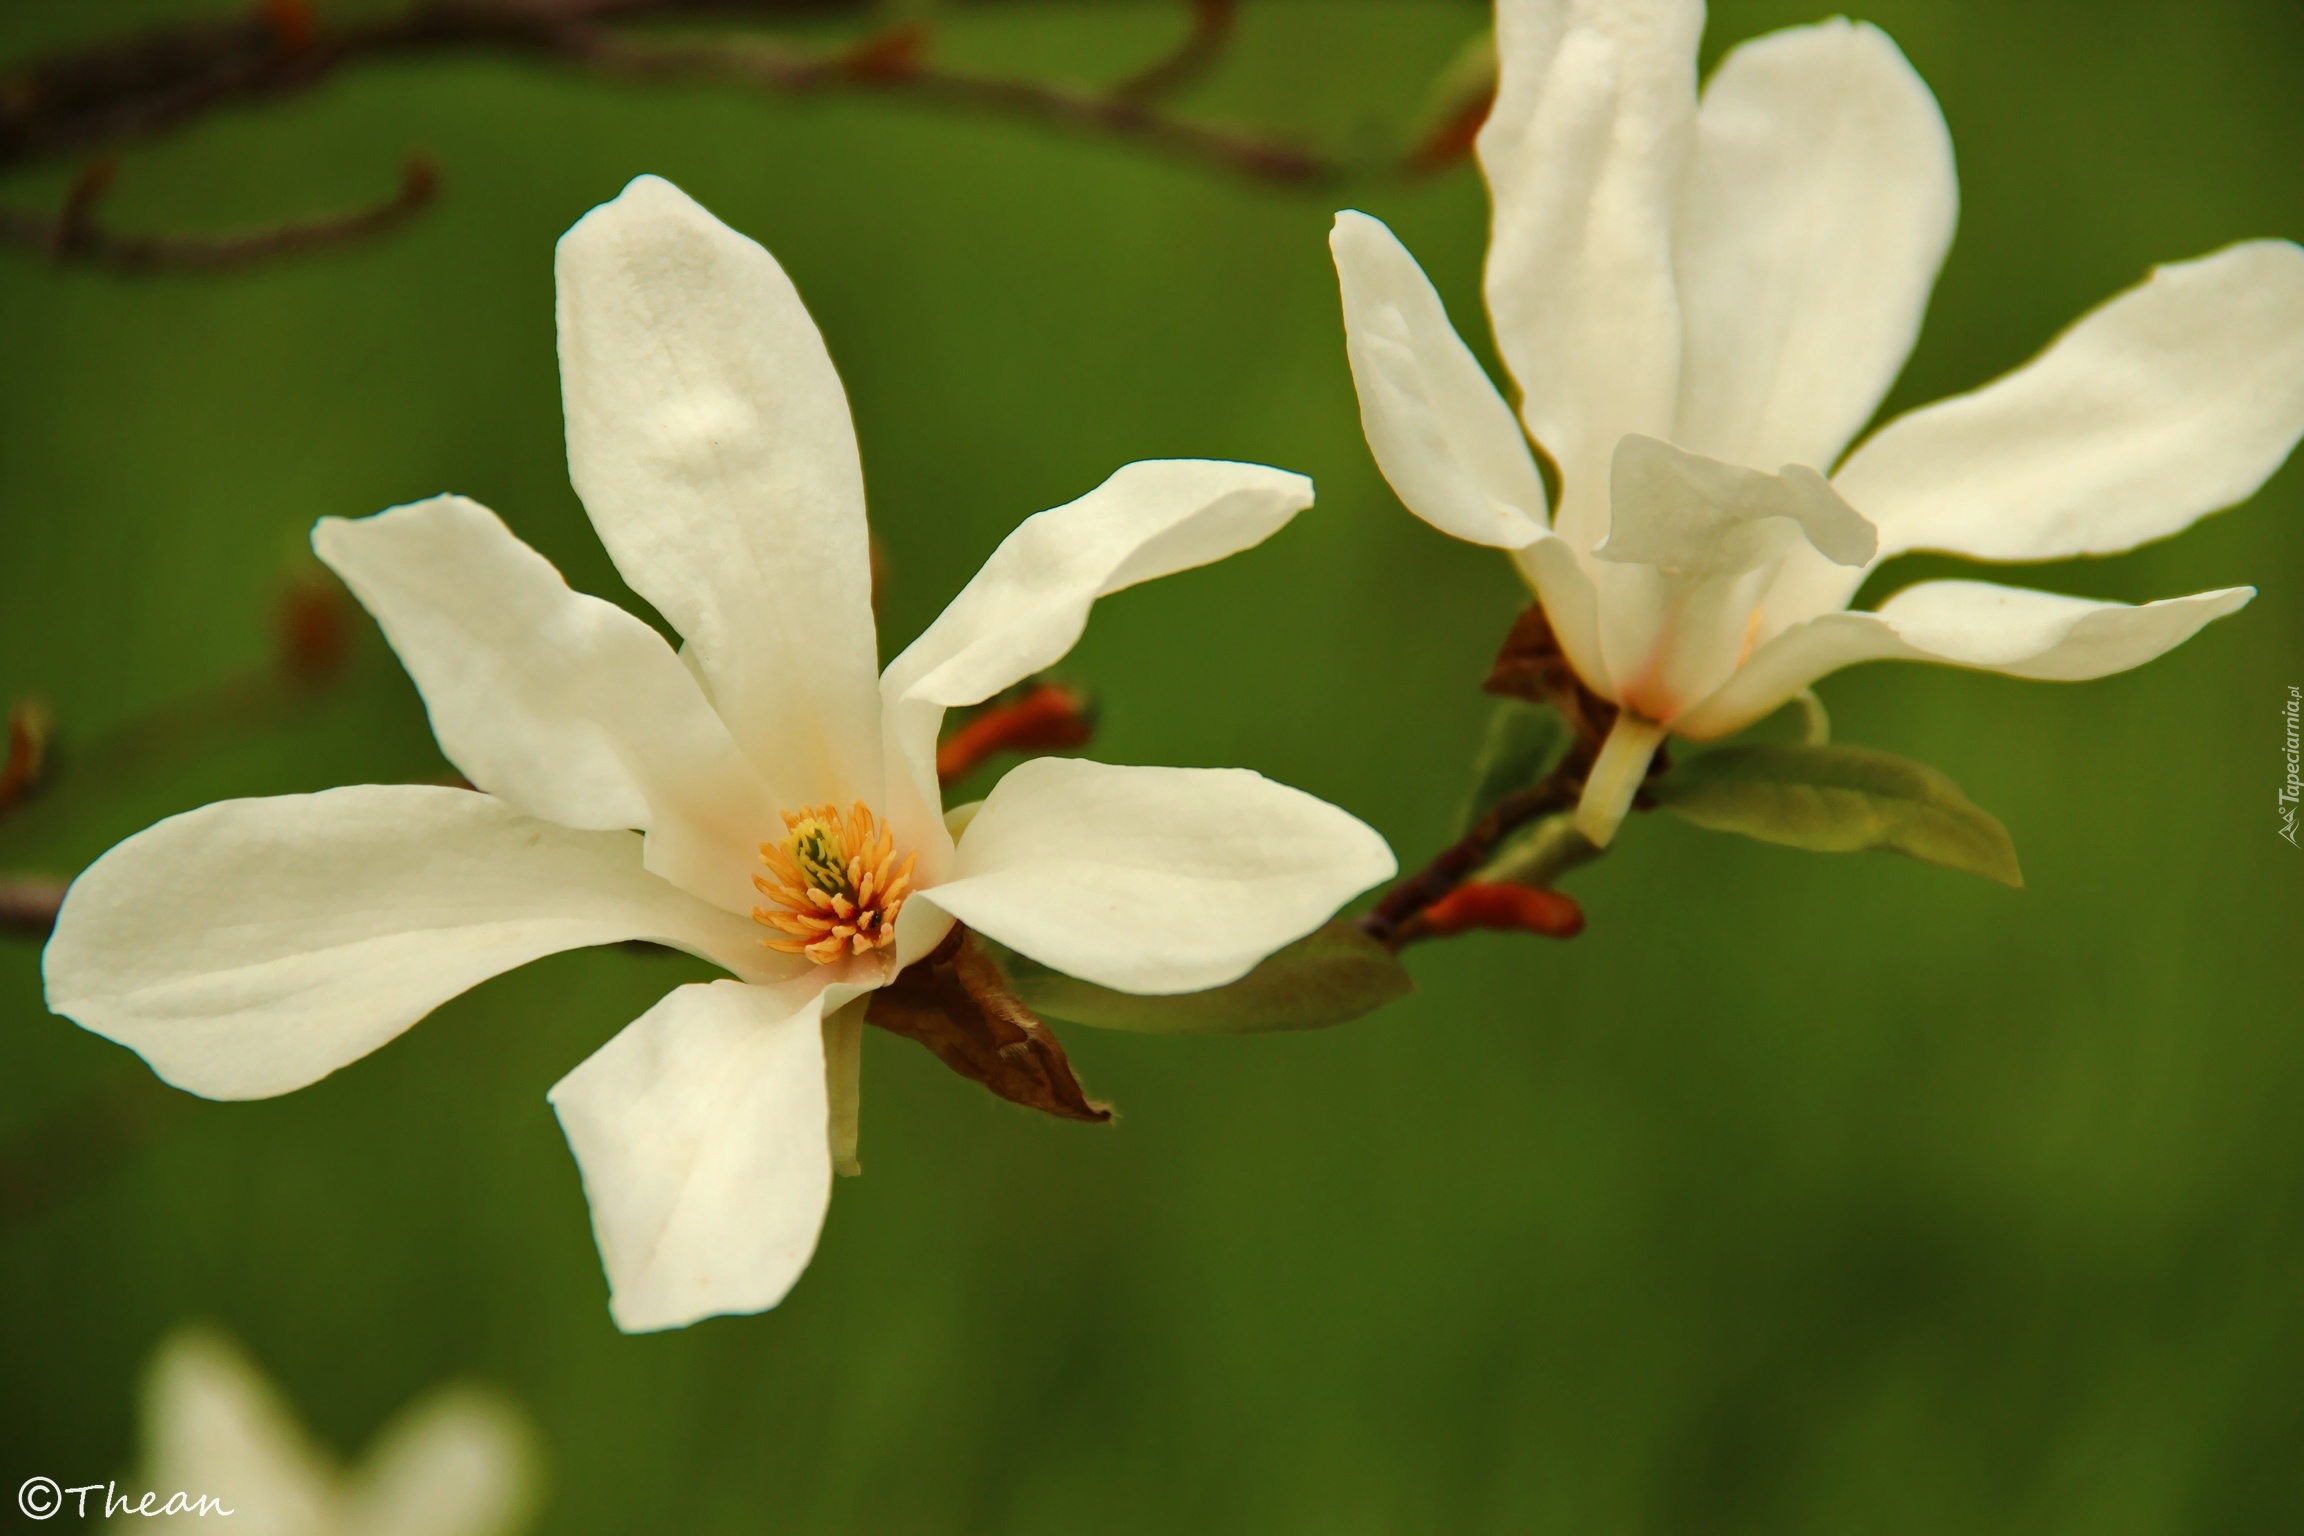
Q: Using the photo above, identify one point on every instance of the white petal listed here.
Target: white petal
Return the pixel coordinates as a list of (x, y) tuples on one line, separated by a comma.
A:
[(703, 1132), (213, 1425), (1808, 584), (1030, 602), (1691, 549), (709, 437), (560, 704), (1818, 211), (254, 946), (1564, 585), (1584, 152), (1447, 442), (1963, 624), (2175, 399), (2047, 635), (1682, 512), (1155, 880), (461, 1463)]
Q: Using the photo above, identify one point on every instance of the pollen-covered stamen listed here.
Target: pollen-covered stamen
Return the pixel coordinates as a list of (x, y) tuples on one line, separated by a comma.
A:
[(836, 881)]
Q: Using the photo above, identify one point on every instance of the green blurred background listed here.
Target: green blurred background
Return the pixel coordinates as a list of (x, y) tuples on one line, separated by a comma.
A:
[(1801, 1194)]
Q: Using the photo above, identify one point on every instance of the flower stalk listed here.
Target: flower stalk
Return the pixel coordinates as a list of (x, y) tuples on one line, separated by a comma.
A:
[(1616, 776)]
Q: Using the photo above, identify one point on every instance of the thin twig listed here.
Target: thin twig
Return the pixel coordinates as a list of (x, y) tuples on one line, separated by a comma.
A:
[(97, 98), (1530, 666), (29, 904), (1556, 791), (74, 237), (880, 70), (1194, 56)]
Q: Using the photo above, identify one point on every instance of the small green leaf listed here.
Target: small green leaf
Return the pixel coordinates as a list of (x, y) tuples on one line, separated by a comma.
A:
[(1840, 800), (1537, 854), (1524, 741), (1333, 974)]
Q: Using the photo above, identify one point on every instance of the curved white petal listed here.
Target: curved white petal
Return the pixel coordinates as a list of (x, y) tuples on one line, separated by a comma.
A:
[(213, 1425), (1683, 512), (1030, 602), (709, 437), (1447, 442), (2172, 401), (1818, 210), (562, 705), (254, 946), (1155, 880), (2048, 635), (462, 1462), (1691, 549), (1564, 585), (1585, 151), (919, 929), (1808, 584), (1963, 624), (703, 1131)]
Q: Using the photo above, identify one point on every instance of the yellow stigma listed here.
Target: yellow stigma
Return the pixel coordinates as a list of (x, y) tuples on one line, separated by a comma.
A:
[(836, 883)]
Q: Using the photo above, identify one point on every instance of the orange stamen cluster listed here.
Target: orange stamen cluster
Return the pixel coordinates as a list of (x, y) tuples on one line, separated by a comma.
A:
[(836, 882)]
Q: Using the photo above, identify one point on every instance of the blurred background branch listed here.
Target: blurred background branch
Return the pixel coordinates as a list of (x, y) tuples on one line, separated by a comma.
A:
[(97, 98), (74, 235), (77, 1145)]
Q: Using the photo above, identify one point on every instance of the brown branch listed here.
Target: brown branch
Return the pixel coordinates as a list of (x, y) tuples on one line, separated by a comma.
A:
[(1556, 791), (1194, 56), (151, 81), (29, 904), (74, 238), (876, 69), (134, 88), (1531, 666)]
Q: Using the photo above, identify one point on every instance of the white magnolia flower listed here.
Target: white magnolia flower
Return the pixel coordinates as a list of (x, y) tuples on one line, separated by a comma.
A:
[(459, 1462), (759, 798), (1702, 301)]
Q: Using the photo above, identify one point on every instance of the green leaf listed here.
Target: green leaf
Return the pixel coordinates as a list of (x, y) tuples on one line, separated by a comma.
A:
[(1333, 974), (1840, 800), (1537, 854), (1524, 741)]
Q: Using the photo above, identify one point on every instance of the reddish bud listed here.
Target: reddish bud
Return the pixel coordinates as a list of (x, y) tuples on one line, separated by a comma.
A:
[(1451, 141), (29, 728), (292, 22), (894, 53), (314, 629), (1505, 908), (1048, 718)]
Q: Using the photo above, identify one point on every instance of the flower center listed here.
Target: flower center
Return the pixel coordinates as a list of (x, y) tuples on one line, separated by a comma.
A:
[(836, 882)]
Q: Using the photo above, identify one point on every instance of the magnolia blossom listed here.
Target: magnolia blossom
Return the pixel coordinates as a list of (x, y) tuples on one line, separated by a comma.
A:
[(1703, 300), (460, 1462), (759, 798)]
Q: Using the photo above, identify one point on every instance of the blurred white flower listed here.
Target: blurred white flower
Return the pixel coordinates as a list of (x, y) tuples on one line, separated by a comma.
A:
[(459, 1462), (1702, 301), (785, 800)]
